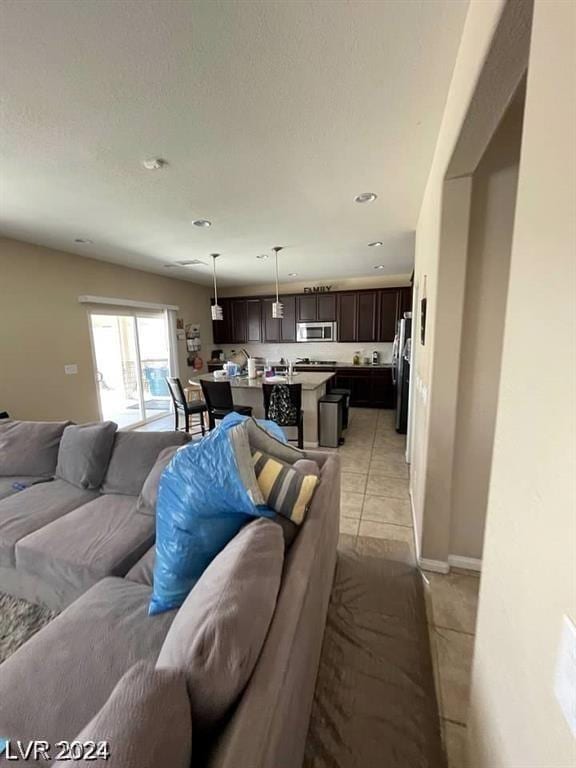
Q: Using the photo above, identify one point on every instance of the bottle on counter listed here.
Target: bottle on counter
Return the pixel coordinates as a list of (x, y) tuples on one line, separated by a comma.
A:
[(356, 358)]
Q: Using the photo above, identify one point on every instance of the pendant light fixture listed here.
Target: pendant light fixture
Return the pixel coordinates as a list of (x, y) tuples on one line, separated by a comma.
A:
[(217, 313), (277, 306)]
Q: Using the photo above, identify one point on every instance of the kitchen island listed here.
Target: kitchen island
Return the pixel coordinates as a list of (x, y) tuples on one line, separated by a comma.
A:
[(247, 391)]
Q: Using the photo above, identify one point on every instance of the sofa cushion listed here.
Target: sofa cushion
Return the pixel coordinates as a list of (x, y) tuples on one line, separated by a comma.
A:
[(30, 447), (286, 490), (133, 456), (146, 721), (148, 497), (220, 629), (143, 570), (27, 511), (85, 452), (103, 538), (57, 681), (10, 485)]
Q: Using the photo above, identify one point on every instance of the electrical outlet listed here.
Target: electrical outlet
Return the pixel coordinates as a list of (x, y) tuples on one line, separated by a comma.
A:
[(565, 678), (71, 369)]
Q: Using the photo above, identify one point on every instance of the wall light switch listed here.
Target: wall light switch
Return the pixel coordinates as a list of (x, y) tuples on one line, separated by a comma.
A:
[(565, 678), (71, 369)]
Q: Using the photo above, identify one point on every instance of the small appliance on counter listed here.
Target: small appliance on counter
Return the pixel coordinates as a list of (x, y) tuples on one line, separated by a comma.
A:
[(375, 357)]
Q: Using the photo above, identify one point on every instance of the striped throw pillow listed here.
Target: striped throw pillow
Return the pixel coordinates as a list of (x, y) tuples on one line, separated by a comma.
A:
[(285, 490)]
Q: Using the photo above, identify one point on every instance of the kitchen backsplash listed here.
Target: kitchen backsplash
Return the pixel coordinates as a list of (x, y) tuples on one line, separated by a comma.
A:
[(342, 353)]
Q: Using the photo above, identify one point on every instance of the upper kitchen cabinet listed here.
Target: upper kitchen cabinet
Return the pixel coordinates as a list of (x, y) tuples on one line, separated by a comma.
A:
[(388, 314), (367, 316), (221, 329), (238, 321), (316, 307), (326, 307), (306, 308), (405, 301), (253, 320), (347, 305), (288, 322), (271, 328)]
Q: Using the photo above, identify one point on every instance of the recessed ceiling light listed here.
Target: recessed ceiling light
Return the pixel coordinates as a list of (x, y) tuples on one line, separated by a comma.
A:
[(376, 244), (83, 241), (202, 223), (292, 274), (379, 266), (154, 163), (263, 256), (365, 197)]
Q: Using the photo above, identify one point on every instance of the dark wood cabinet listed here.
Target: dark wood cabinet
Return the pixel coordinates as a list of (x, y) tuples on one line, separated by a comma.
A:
[(366, 322), (363, 316), (326, 307), (405, 301), (369, 387), (347, 306), (271, 328), (388, 314), (316, 308), (253, 320), (238, 321), (288, 323), (221, 329), (383, 392), (307, 311)]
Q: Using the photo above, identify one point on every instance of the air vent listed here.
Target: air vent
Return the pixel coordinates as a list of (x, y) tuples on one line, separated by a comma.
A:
[(188, 263)]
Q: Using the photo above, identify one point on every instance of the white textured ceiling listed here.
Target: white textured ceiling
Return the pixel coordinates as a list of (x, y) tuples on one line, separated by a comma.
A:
[(272, 115)]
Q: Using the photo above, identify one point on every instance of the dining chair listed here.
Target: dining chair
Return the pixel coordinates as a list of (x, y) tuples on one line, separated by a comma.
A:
[(218, 397), (182, 406), (295, 393)]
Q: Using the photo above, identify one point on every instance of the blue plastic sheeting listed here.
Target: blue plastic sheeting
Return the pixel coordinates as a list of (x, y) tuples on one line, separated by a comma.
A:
[(202, 504)]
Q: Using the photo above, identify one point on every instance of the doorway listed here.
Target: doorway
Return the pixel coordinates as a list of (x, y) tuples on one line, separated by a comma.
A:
[(132, 361)]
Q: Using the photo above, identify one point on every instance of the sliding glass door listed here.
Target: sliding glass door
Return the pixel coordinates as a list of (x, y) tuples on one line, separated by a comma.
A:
[(132, 363)]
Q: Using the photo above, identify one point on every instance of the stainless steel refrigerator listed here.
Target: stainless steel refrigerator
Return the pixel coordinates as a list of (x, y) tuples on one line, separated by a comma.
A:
[(401, 370)]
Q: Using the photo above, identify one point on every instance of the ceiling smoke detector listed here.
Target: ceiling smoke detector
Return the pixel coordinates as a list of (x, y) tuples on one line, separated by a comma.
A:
[(83, 241), (365, 197), (375, 244), (292, 274), (202, 223), (154, 164), (263, 256), (379, 266)]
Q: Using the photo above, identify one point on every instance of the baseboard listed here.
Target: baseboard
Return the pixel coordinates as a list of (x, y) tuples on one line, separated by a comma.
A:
[(466, 563), (415, 530), (437, 566)]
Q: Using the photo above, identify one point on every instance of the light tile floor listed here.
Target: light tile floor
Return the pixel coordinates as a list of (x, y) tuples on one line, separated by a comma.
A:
[(376, 519)]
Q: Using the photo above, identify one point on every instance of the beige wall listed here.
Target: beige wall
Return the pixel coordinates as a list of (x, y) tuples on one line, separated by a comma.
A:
[(440, 266), (342, 284), (529, 572), (492, 208), (43, 327)]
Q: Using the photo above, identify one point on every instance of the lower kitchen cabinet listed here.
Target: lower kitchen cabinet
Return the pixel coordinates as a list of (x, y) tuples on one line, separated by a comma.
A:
[(369, 387)]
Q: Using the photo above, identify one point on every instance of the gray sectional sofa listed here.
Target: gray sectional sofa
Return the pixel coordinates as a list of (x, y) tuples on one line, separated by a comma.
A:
[(60, 536), (90, 550)]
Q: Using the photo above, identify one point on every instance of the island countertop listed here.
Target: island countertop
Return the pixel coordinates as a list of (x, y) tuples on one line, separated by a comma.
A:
[(310, 380)]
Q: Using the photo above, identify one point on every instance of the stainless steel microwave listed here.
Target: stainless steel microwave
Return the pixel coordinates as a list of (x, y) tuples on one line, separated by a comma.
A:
[(316, 332)]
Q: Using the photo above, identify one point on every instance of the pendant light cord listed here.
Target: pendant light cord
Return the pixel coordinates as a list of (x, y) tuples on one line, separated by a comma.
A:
[(214, 257), (276, 250)]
